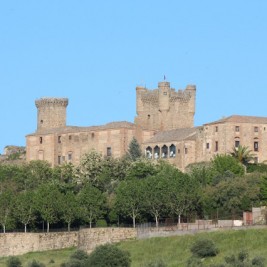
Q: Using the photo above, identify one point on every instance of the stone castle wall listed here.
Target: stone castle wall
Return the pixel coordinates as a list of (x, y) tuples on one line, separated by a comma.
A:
[(86, 239), (164, 108)]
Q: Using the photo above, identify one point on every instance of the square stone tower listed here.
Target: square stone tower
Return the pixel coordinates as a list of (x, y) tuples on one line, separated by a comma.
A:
[(164, 108)]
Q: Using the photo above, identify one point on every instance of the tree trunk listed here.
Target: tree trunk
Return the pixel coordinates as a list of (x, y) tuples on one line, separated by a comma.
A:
[(90, 224), (133, 221), (4, 229), (25, 228), (47, 227), (68, 226), (157, 223), (179, 219)]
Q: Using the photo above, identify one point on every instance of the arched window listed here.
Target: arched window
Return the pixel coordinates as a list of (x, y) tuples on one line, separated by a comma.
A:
[(164, 152), (172, 151), (149, 152), (156, 152)]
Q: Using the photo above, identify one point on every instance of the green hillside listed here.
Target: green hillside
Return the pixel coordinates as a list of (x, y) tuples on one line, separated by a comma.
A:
[(174, 251)]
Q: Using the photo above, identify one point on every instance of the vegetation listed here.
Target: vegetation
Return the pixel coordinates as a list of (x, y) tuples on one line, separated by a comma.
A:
[(203, 248), (176, 250)]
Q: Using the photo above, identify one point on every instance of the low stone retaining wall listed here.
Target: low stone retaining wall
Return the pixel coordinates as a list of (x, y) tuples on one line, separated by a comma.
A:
[(21, 243), (85, 239)]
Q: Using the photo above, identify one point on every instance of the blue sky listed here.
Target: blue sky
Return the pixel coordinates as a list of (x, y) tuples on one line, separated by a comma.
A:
[(97, 52)]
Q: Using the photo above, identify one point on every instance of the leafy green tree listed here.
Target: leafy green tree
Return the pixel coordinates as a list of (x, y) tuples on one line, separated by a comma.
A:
[(92, 203), (183, 191), (64, 172), (243, 154), (134, 150), (13, 262), (226, 163), (142, 168), (24, 208), (6, 208), (48, 200), (90, 167), (69, 208), (130, 198), (155, 195)]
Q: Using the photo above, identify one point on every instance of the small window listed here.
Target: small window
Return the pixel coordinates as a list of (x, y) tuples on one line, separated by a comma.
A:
[(41, 121), (256, 129), (41, 140), (256, 146), (59, 160), (109, 151), (186, 150), (59, 139), (216, 129), (237, 143), (178, 151), (92, 135), (216, 146), (70, 137), (208, 145), (148, 116), (237, 129), (69, 156)]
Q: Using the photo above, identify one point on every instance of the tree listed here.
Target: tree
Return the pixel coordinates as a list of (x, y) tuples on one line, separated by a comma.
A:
[(24, 208), (130, 198), (91, 202), (134, 150), (6, 208), (48, 201), (243, 154), (183, 192), (89, 168), (155, 194), (70, 208)]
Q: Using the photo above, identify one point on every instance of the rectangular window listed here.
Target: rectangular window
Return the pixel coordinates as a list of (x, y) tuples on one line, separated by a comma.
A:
[(256, 129), (59, 139), (216, 146), (237, 143), (185, 150), (70, 137), (216, 129), (109, 151), (237, 129), (41, 140), (70, 156), (208, 145), (256, 146), (59, 160)]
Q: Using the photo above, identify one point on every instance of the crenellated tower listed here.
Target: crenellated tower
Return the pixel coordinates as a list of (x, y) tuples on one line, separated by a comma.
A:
[(51, 113), (164, 108)]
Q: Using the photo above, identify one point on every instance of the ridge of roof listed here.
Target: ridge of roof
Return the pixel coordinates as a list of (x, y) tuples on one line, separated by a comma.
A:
[(240, 119)]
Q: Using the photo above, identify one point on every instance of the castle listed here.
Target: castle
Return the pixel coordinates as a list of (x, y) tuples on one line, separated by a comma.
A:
[(164, 126)]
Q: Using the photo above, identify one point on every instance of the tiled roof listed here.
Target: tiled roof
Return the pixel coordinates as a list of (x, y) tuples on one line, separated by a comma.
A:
[(77, 129), (241, 119), (174, 135)]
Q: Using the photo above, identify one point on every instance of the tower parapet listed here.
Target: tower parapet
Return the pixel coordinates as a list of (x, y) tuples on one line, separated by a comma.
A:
[(51, 112), (164, 108)]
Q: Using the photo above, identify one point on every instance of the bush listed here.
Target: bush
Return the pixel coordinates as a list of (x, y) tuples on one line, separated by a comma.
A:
[(79, 255), (204, 248), (73, 263), (14, 262), (101, 223), (194, 262), (35, 263), (156, 263), (109, 255), (258, 261)]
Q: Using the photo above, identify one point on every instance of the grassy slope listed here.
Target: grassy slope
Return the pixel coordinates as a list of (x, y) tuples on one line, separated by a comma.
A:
[(173, 250)]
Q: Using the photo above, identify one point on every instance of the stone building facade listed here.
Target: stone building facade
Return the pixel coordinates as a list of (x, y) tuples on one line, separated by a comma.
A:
[(164, 126)]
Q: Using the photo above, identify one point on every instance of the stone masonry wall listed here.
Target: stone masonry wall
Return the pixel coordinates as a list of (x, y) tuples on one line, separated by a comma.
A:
[(86, 239), (90, 238)]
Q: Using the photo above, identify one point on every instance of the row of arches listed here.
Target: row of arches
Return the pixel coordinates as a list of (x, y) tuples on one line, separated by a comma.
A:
[(161, 152)]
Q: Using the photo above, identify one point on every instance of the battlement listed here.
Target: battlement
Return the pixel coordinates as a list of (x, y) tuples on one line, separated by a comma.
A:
[(51, 112), (51, 101), (165, 108)]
